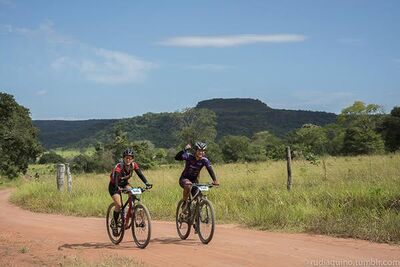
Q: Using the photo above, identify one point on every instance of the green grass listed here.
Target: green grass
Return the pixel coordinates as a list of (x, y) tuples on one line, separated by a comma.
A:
[(7, 183), (23, 250), (357, 196), (70, 153)]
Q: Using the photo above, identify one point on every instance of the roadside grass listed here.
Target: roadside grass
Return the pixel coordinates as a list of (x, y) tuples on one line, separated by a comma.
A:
[(7, 183), (355, 197)]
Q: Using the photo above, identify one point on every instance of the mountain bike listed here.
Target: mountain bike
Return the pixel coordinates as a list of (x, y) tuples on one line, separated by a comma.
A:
[(199, 212), (133, 214)]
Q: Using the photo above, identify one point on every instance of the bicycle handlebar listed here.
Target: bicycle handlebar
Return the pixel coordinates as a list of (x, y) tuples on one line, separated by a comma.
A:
[(207, 184), (126, 191)]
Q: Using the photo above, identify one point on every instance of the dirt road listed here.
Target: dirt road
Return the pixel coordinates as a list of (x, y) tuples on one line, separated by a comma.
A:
[(32, 239)]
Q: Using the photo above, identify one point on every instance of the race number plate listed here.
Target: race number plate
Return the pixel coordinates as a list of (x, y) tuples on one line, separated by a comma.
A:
[(136, 191), (203, 188)]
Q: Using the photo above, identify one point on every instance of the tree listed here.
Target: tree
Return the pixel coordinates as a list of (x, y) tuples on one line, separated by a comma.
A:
[(51, 157), (145, 153), (234, 148), (144, 150), (82, 163), (362, 141), (19, 144), (309, 139), (335, 135), (214, 153), (118, 143), (360, 121), (197, 125), (272, 146), (390, 130), (361, 115)]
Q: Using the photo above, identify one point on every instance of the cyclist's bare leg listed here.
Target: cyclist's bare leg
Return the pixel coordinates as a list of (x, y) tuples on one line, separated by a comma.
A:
[(186, 184), (117, 201), (186, 192)]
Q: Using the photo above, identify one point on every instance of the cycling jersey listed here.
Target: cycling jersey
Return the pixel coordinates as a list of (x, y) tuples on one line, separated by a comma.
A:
[(120, 176), (193, 166)]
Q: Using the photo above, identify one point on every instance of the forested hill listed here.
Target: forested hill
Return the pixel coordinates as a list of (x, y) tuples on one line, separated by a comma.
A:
[(238, 116), (59, 133), (245, 116)]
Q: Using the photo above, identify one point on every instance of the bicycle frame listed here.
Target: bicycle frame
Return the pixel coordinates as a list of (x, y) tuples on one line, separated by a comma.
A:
[(131, 202), (195, 200)]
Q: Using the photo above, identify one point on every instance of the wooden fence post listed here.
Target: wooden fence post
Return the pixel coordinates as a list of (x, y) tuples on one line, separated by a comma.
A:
[(289, 168), (60, 176), (69, 177)]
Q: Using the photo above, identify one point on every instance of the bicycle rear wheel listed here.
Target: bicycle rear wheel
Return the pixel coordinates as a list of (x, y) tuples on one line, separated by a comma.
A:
[(205, 221), (120, 225), (183, 223), (141, 226)]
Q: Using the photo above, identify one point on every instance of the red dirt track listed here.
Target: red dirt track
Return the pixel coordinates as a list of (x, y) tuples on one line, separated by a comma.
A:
[(34, 239)]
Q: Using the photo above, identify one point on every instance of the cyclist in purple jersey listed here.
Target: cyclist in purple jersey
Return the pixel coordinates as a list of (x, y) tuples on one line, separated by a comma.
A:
[(193, 165)]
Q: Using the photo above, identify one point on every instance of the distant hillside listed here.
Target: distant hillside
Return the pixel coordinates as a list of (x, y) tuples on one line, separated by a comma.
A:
[(245, 116), (238, 116), (159, 128), (58, 133)]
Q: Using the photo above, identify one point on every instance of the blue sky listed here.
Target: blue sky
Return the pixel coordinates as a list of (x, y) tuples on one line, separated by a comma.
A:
[(116, 59)]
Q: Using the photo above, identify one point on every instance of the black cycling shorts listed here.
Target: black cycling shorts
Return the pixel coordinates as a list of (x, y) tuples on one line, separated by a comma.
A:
[(112, 190)]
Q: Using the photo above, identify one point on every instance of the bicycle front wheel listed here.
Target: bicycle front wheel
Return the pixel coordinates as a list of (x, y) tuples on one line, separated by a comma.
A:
[(117, 236), (182, 221), (205, 221), (141, 226)]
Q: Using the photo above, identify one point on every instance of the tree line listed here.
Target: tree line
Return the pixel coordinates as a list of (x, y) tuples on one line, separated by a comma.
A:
[(237, 116), (359, 129)]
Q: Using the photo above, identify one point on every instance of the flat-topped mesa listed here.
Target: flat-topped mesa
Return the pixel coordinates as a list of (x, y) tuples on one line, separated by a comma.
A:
[(234, 104)]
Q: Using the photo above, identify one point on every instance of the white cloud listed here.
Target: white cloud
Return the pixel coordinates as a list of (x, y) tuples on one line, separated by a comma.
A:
[(106, 66), (210, 67), (232, 40), (92, 63), (45, 31), (114, 67)]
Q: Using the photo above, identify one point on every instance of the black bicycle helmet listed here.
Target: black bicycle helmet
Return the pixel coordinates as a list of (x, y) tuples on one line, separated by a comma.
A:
[(200, 145), (128, 152)]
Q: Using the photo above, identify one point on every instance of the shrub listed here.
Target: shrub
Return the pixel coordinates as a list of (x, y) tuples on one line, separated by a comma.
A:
[(51, 157)]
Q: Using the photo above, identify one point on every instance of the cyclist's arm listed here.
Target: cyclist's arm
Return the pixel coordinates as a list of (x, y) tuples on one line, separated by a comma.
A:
[(211, 172), (182, 155), (116, 178), (141, 176)]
